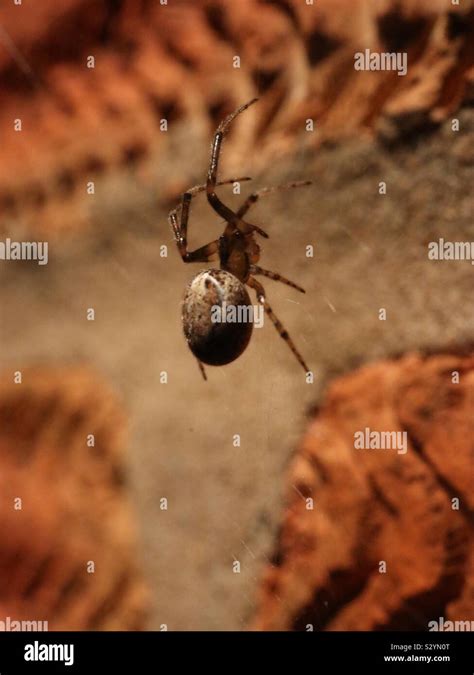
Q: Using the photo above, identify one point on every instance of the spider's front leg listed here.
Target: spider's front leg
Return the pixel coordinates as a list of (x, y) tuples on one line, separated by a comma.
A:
[(180, 230), (178, 219), (260, 291), (234, 220)]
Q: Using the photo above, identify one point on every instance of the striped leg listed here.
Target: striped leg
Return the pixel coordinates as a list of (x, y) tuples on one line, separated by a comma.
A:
[(201, 368), (180, 230), (234, 221), (255, 196), (201, 188), (178, 218), (260, 291), (254, 269)]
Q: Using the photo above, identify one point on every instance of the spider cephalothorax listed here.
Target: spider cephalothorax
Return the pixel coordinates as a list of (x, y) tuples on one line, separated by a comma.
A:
[(217, 342)]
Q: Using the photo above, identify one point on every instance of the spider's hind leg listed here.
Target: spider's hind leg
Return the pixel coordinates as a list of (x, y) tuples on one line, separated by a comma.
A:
[(260, 291), (254, 269), (201, 368)]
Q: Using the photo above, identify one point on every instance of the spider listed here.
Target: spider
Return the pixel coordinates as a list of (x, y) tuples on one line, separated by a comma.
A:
[(219, 343)]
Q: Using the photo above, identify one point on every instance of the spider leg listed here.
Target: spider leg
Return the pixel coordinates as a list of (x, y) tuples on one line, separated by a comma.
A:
[(254, 269), (196, 189), (224, 211), (201, 254), (180, 226), (201, 368), (180, 230), (255, 196), (200, 188), (260, 291)]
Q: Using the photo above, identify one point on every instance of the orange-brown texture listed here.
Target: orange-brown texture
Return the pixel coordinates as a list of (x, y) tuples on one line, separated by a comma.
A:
[(102, 124), (175, 61), (379, 505), (73, 509)]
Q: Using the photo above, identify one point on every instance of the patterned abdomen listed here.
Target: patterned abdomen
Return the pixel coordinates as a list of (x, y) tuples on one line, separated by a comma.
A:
[(217, 317)]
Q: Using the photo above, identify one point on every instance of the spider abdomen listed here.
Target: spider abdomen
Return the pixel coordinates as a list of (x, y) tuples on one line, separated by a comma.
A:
[(217, 322)]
